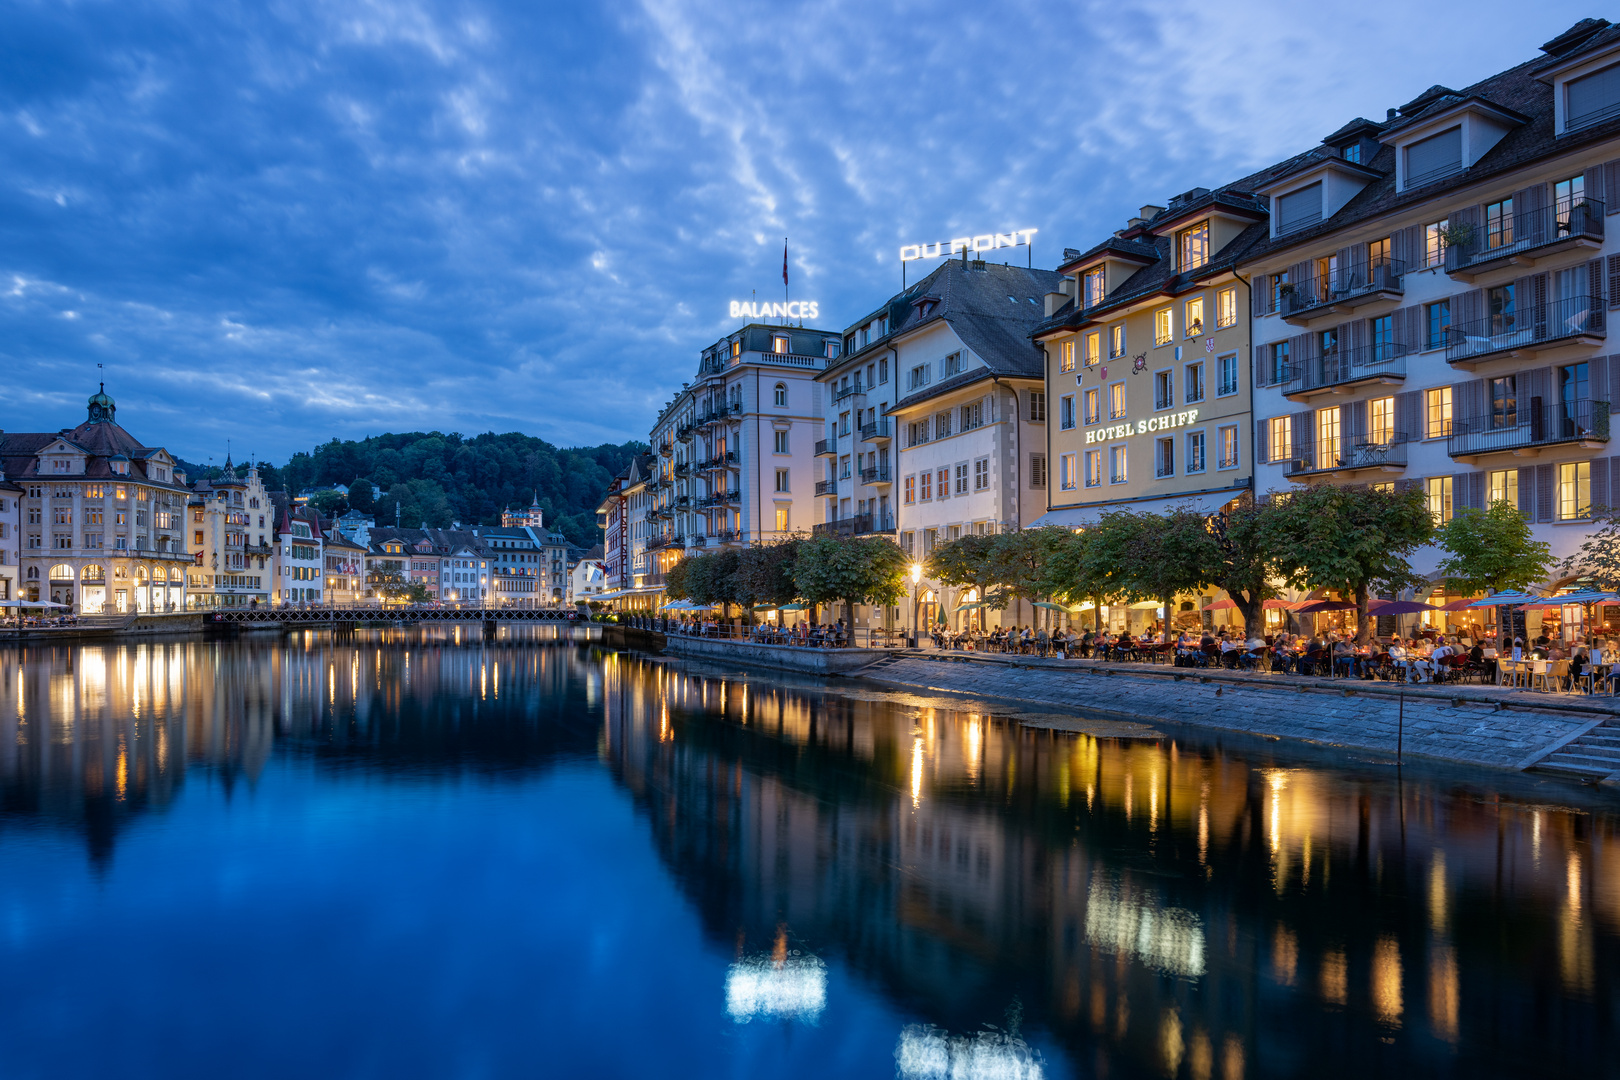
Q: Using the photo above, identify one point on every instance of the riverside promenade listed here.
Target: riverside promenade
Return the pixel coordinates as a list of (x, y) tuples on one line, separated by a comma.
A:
[(1576, 735)]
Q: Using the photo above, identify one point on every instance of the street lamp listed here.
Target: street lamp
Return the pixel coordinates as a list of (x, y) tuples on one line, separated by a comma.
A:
[(916, 576)]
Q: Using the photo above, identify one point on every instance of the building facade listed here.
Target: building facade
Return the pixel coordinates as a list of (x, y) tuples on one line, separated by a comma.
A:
[(1431, 298), (11, 496), (229, 538), (299, 559), (102, 516), (345, 565), (1145, 359)]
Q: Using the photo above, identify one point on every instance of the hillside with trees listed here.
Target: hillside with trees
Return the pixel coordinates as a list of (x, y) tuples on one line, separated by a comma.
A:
[(442, 478)]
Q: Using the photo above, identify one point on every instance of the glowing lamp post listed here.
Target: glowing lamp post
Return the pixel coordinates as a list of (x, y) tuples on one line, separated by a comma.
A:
[(916, 576)]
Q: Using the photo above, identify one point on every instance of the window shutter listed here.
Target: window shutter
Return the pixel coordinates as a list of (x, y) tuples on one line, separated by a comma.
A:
[(1597, 373), (1544, 492), (1356, 421), (1406, 326), (1611, 183), (1409, 414), (1262, 431), (1614, 380), (1465, 215), (1476, 490), (1594, 185), (1527, 492), (1529, 221), (1469, 400), (1536, 383), (1459, 492), (1301, 273), (1600, 486), (1594, 279), (1304, 432), (1352, 266), (1468, 308), (1260, 295), (1530, 304), (1262, 370), (1406, 246), (1614, 280), (1405, 484)]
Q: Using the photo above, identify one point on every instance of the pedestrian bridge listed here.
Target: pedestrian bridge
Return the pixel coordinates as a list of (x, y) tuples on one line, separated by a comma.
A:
[(339, 616)]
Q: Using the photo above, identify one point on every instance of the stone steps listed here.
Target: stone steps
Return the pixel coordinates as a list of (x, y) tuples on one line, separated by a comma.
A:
[(1593, 756)]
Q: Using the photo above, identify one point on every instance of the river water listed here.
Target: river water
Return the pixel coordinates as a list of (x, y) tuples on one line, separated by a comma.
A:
[(418, 853)]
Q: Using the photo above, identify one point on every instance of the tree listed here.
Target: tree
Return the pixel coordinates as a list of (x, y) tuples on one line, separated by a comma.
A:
[(1162, 554), (767, 572), (1598, 557), (1349, 539), (1238, 559), (967, 562), (675, 579), (330, 503), (360, 496), (858, 570), (1018, 562), (1492, 550)]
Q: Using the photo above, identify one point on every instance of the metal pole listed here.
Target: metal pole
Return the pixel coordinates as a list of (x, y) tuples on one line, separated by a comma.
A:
[(1400, 729)]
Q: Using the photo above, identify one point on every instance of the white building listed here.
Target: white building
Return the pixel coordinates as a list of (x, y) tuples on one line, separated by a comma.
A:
[(10, 538), (299, 561), (229, 536)]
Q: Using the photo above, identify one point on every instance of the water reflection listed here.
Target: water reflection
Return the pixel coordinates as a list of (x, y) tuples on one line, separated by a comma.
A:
[(1142, 905), (1162, 907)]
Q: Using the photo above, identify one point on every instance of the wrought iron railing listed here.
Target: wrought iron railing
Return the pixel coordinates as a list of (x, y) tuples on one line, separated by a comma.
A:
[(1379, 360), (1345, 285), (876, 474), (1348, 452), (877, 429), (1527, 327), (826, 487), (1473, 247), (1538, 425)]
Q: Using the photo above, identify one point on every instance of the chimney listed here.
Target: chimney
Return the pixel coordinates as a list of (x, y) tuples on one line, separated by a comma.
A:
[(1055, 300)]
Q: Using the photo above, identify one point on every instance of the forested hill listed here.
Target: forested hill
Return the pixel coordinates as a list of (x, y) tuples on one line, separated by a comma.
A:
[(438, 478)]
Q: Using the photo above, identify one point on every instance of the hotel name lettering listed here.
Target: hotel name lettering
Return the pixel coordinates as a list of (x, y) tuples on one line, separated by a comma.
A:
[(1142, 427)]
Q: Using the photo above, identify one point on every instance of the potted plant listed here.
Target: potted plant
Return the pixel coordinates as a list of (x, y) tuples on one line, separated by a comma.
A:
[(1585, 219)]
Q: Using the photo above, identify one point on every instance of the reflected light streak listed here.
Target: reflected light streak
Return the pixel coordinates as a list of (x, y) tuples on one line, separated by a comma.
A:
[(1122, 919), (927, 1053), (1386, 980), (916, 771), (794, 988)]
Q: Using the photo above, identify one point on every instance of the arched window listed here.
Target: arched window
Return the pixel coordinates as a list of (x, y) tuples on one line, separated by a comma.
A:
[(781, 395), (120, 572), (62, 572), (159, 574), (140, 575), (33, 573), (92, 573)]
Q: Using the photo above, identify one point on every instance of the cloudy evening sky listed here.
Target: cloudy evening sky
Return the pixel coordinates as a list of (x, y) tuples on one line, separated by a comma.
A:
[(284, 221)]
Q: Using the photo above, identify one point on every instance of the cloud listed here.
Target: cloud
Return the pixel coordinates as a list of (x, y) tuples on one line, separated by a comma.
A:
[(280, 223)]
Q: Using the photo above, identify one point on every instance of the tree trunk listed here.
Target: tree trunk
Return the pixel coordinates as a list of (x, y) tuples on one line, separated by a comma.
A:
[(1096, 612), (1164, 623), (1361, 614), (1253, 612)]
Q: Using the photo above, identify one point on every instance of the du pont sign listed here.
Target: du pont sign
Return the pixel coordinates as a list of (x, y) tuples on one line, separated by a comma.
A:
[(976, 244)]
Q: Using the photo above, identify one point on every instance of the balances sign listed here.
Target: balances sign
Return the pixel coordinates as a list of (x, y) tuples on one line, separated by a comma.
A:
[(975, 244), (797, 309)]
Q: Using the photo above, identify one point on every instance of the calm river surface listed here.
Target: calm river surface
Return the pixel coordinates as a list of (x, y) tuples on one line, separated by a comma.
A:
[(420, 854)]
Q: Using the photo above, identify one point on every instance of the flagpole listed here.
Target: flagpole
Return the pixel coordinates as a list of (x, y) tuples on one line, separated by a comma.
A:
[(785, 299)]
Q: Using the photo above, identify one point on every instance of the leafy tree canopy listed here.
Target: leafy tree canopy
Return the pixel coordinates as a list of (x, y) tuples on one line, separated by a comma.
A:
[(1493, 550)]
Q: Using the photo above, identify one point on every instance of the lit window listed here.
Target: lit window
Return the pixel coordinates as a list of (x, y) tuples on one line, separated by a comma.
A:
[(1067, 472), (1116, 341), (1229, 447), (1093, 468), (1434, 243), (781, 519), (1226, 308), (1195, 451), (1195, 246), (1093, 406), (1437, 412), (1092, 287), (1066, 356), (1280, 438), (1438, 489), (1381, 421), (1117, 462), (1195, 316), (779, 343), (1162, 331), (1499, 224), (1093, 348), (1574, 491), (1502, 485), (1116, 400)]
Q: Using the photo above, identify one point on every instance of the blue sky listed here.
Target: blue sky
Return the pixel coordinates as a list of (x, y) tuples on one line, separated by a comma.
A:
[(287, 221)]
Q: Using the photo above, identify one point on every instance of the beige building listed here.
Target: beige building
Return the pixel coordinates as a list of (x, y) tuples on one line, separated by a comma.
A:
[(103, 516), (1148, 391), (229, 538)]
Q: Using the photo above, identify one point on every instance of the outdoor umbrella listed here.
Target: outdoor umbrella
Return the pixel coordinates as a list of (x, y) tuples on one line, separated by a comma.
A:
[(792, 607), (1584, 596), (1274, 604), (1324, 605), (766, 607), (1222, 605), (1397, 607), (1146, 605), (1049, 607), (971, 604), (1511, 598), (1456, 605)]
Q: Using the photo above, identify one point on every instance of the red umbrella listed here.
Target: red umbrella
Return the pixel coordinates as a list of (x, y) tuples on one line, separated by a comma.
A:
[(1222, 605), (1456, 605), (1281, 605), (1397, 607)]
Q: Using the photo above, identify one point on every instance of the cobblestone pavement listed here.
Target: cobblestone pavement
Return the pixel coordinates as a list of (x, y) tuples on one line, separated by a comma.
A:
[(1479, 725)]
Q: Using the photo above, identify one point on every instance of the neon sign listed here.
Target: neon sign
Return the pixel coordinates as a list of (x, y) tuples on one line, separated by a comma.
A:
[(797, 309), (1142, 427), (975, 244)]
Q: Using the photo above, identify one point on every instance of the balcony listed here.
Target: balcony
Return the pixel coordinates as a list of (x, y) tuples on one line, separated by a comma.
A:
[(683, 469), (1523, 432), (856, 525), (826, 487), (683, 502), (826, 447), (876, 474), (685, 432), (848, 392), (878, 431), (719, 498), (1342, 370), (1349, 455), (1528, 235), (719, 461), (1344, 290), (667, 447), (1578, 320)]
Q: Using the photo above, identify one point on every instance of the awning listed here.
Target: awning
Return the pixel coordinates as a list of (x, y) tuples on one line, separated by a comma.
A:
[(1074, 517)]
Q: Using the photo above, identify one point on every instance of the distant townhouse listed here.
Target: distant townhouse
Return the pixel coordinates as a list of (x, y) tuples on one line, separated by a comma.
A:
[(299, 559), (1144, 362), (1431, 297), (229, 537), (11, 496), (345, 562), (465, 578), (102, 516), (517, 572)]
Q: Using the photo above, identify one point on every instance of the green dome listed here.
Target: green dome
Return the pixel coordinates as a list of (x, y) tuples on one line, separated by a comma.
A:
[(102, 407), (100, 398)]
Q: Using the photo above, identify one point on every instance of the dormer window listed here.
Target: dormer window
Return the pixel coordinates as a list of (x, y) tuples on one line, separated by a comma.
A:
[(1435, 157), (1352, 153), (1092, 287), (1297, 209), (779, 343), (1194, 246), (1592, 98)]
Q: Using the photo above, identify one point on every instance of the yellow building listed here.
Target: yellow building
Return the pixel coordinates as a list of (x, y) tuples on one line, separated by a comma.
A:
[(1147, 390)]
